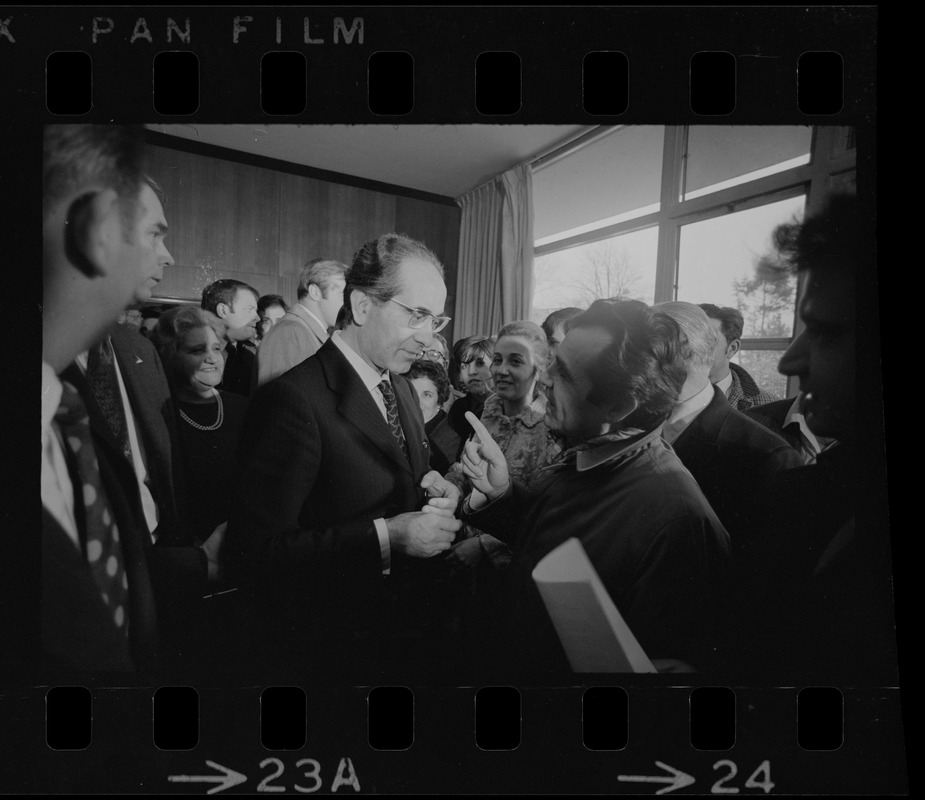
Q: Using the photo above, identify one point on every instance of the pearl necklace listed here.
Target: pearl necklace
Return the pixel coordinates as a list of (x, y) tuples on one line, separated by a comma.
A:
[(218, 422)]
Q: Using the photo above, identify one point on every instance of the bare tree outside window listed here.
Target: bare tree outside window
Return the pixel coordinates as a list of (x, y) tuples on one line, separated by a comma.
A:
[(609, 274)]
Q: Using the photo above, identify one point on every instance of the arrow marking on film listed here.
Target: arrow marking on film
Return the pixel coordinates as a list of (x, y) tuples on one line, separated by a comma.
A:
[(226, 781), (677, 779)]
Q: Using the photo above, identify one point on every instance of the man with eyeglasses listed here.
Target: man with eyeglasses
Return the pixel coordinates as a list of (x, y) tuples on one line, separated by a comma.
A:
[(336, 506)]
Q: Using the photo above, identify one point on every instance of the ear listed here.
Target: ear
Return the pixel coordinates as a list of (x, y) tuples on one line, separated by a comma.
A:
[(315, 293), (222, 310), (360, 304), (733, 348), (93, 232)]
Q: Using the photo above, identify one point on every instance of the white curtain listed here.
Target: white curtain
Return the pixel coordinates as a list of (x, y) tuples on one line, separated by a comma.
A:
[(494, 283)]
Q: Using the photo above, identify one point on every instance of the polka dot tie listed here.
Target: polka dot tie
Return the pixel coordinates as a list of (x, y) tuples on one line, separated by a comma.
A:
[(103, 549), (391, 410)]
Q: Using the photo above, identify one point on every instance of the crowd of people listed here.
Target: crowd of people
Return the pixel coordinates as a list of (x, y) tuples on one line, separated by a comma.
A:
[(329, 490)]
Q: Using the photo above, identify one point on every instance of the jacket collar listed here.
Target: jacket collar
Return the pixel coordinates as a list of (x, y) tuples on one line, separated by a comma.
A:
[(708, 424), (610, 448)]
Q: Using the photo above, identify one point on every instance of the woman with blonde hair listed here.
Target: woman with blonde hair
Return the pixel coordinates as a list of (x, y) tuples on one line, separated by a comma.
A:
[(190, 342)]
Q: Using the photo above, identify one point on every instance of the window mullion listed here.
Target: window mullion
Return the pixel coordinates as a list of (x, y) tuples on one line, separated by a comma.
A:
[(666, 264)]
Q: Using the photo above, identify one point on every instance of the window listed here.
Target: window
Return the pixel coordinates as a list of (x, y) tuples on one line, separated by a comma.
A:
[(616, 177), (665, 212), (719, 157), (620, 266)]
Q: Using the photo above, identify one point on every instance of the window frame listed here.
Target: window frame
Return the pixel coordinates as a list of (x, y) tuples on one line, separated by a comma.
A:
[(830, 161)]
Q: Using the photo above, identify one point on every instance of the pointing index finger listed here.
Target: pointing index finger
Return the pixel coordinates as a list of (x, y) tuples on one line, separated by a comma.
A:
[(480, 430)]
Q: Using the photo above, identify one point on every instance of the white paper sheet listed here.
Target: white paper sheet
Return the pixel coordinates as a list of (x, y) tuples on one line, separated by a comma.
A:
[(593, 633)]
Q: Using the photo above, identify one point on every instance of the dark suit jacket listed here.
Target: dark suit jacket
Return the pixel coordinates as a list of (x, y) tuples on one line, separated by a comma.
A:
[(734, 460), (176, 568), (239, 369), (77, 631), (772, 416), (149, 394), (318, 465)]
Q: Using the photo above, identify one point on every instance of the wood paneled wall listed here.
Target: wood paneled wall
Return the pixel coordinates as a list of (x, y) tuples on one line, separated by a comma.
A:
[(232, 220)]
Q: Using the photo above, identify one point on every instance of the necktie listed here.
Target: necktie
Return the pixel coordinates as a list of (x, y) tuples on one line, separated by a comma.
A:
[(104, 551), (101, 377), (391, 410)]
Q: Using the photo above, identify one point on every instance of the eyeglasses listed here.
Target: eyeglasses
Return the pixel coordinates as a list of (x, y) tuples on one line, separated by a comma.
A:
[(434, 355), (418, 318)]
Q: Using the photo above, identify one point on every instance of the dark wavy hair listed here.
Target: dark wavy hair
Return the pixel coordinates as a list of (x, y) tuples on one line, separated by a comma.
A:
[(467, 349), (836, 237), (731, 321), (557, 317), (375, 268), (224, 290), (269, 300), (643, 361), (433, 371)]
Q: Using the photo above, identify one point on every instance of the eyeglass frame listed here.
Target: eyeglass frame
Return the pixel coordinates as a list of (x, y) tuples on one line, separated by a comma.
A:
[(442, 360), (437, 320)]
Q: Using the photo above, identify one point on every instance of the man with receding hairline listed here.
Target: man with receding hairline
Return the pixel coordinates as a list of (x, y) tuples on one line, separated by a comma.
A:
[(733, 458), (235, 304), (327, 517), (102, 249), (658, 547)]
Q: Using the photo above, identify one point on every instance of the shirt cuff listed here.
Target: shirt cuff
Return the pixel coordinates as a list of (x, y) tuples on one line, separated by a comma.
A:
[(385, 551)]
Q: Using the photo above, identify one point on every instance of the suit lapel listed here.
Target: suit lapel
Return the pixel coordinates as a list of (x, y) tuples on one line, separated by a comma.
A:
[(356, 404), (140, 391)]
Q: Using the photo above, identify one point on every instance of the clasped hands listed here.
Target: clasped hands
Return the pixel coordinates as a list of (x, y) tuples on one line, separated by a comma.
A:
[(431, 530)]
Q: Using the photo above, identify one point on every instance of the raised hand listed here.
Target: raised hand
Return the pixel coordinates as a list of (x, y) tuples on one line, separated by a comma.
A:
[(483, 462)]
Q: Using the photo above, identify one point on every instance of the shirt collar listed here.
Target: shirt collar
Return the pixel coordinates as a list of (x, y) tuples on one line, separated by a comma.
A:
[(370, 377), (725, 383), (795, 417), (612, 447), (685, 412), (51, 394)]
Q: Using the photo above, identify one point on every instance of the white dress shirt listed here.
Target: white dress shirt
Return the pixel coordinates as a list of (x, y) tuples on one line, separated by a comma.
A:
[(810, 445), (57, 489)]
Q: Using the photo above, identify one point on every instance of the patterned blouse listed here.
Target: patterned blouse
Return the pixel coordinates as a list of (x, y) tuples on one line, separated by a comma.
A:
[(524, 439)]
